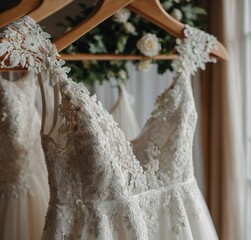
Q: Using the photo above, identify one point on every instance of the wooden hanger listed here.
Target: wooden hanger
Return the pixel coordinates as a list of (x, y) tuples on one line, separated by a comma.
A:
[(37, 9), (47, 8), (23, 8), (103, 10), (151, 10)]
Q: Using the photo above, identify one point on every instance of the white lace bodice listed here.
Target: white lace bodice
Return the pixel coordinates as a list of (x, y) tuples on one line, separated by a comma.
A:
[(20, 149), (95, 179), (167, 138)]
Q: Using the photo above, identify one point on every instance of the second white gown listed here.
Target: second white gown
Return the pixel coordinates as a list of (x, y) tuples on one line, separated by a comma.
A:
[(24, 190)]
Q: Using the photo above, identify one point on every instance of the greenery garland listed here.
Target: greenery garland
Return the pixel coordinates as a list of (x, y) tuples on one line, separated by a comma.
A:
[(127, 33)]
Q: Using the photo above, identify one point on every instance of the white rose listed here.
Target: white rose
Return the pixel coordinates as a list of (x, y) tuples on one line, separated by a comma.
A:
[(149, 45), (166, 5), (128, 27), (121, 16), (177, 14), (122, 75), (145, 65)]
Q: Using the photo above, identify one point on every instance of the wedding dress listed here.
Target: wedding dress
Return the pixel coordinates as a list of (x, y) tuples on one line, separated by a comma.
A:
[(24, 190), (99, 190)]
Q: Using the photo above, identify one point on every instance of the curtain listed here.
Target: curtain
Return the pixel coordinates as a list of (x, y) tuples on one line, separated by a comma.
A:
[(222, 123), (143, 86)]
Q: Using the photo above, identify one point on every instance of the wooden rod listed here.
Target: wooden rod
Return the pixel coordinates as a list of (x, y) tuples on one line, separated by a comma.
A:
[(16, 69), (101, 57), (110, 57)]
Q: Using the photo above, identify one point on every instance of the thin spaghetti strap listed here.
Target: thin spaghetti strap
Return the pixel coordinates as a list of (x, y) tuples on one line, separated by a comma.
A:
[(41, 85), (56, 102)]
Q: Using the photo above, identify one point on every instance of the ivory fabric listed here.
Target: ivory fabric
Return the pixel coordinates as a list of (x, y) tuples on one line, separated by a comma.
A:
[(123, 114), (99, 189), (24, 189)]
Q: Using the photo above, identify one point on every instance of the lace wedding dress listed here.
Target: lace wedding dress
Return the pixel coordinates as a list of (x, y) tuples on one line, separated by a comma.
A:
[(24, 190), (99, 190)]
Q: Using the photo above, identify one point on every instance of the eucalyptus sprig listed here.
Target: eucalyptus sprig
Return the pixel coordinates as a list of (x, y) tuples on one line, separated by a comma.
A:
[(127, 33)]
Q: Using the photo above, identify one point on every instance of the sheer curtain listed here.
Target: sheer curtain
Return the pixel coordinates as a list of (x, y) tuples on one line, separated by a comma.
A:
[(222, 124), (144, 87)]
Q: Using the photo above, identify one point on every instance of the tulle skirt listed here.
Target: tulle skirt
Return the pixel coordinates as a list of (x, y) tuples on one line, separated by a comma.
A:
[(22, 216), (175, 212)]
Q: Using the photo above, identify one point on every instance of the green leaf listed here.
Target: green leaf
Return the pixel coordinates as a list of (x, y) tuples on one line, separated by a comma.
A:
[(98, 45), (167, 5), (188, 12), (199, 10), (121, 43)]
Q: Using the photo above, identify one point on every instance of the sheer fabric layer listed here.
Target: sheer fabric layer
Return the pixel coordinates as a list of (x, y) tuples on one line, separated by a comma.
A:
[(123, 114), (24, 189)]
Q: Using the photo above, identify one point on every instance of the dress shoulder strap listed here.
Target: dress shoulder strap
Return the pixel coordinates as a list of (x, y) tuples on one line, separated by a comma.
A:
[(194, 51), (24, 43), (44, 108), (41, 85)]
